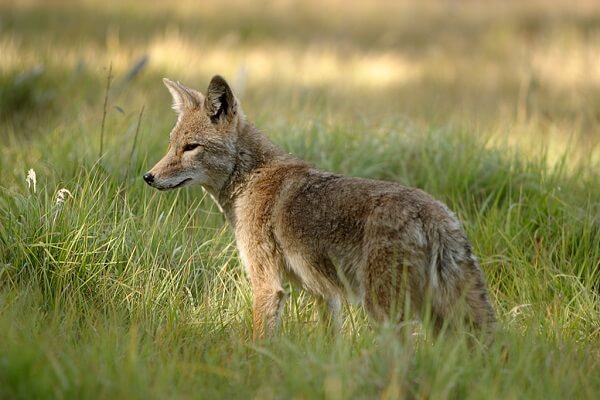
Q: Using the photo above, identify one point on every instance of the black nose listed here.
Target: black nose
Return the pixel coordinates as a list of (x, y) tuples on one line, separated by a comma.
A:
[(149, 178)]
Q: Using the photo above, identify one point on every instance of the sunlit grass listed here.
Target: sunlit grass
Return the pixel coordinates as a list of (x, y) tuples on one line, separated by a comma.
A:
[(526, 71)]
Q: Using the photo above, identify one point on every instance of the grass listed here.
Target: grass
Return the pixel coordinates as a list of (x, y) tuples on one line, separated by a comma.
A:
[(124, 292)]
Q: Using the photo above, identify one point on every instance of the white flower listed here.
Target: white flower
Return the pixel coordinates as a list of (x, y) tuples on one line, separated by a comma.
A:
[(31, 179), (61, 196)]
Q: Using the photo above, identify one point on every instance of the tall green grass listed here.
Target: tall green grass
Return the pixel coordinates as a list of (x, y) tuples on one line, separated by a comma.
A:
[(125, 291)]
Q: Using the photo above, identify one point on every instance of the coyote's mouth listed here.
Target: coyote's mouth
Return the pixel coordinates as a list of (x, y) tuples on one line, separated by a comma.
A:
[(183, 182), (180, 184)]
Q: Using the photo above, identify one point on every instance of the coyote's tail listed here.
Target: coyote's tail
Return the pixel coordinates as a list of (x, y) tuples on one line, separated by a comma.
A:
[(458, 284)]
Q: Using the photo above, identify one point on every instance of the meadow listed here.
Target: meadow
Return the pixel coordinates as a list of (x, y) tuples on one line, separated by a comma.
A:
[(110, 289)]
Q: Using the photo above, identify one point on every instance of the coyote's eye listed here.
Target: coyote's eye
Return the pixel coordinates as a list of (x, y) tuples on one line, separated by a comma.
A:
[(190, 146)]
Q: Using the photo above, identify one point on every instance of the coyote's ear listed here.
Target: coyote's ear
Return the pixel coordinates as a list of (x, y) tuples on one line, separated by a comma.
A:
[(184, 98), (220, 102)]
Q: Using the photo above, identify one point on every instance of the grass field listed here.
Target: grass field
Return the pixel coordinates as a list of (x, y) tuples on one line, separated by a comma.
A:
[(115, 290)]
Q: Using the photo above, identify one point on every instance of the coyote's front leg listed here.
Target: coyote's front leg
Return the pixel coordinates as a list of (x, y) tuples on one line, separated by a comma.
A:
[(268, 301), (268, 296)]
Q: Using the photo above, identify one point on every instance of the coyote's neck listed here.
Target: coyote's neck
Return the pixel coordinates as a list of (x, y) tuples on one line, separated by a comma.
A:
[(254, 151)]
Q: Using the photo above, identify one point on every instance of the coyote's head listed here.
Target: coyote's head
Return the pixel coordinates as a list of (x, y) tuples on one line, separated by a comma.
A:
[(202, 145)]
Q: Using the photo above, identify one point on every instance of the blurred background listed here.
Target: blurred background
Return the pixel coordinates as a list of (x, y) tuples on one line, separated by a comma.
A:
[(528, 67)]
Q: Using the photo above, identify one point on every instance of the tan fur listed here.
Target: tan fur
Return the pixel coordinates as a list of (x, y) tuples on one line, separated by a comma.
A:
[(389, 247)]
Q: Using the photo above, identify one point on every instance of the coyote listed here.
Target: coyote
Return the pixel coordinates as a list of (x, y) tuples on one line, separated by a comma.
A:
[(389, 247)]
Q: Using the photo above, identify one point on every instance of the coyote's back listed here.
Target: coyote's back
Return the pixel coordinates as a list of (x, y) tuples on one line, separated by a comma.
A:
[(392, 248)]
